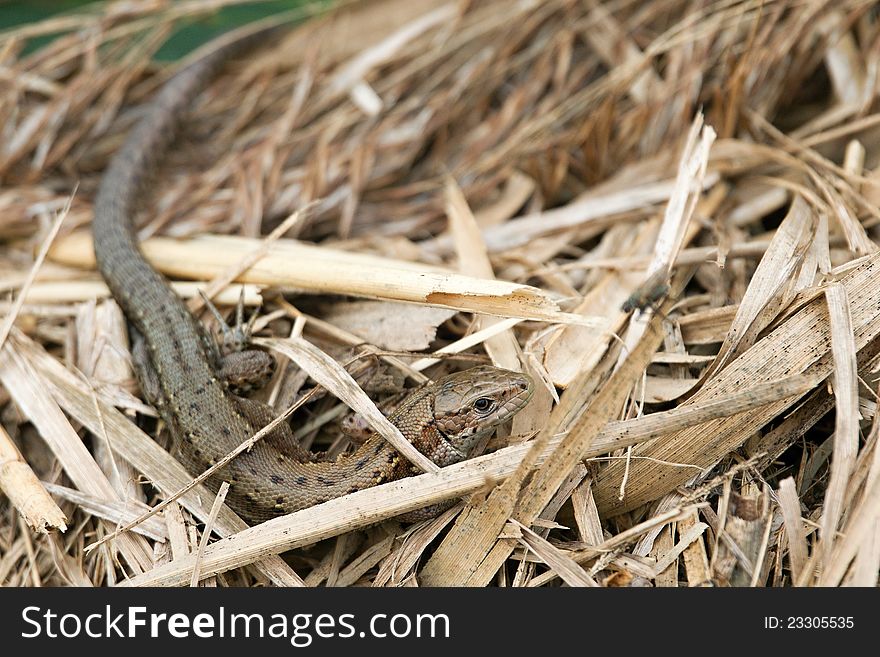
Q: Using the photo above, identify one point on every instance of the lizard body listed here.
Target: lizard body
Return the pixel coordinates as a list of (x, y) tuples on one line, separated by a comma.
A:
[(444, 420)]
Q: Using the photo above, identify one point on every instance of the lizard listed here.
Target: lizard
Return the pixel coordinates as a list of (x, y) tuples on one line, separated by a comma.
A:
[(180, 366)]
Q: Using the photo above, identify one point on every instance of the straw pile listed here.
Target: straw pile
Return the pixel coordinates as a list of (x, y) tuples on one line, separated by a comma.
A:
[(517, 173)]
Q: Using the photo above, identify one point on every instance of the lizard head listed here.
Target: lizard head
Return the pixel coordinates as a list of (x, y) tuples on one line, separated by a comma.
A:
[(468, 405)]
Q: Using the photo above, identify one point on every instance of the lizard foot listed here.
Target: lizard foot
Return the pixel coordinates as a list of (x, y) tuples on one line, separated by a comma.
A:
[(244, 369)]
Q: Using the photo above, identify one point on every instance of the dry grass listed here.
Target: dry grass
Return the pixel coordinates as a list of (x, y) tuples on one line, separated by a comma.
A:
[(485, 180)]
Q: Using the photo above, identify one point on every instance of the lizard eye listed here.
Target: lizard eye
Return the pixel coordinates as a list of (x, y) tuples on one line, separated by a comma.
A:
[(484, 405)]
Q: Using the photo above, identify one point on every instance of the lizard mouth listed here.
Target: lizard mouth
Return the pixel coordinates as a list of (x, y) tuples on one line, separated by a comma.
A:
[(450, 445)]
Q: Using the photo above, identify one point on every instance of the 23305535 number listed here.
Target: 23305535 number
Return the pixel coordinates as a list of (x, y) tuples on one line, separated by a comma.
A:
[(819, 622)]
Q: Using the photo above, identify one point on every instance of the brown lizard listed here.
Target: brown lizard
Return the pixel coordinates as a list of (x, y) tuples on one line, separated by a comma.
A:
[(180, 366)]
